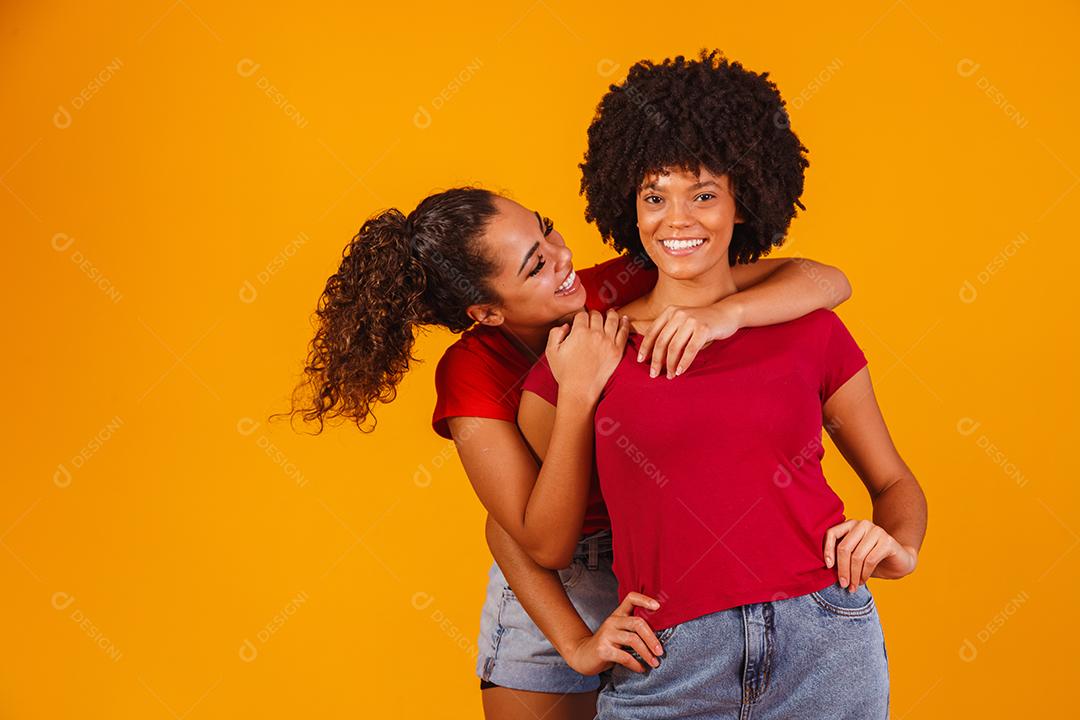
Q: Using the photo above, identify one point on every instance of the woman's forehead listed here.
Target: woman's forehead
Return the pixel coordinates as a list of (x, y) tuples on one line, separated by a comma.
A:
[(511, 232)]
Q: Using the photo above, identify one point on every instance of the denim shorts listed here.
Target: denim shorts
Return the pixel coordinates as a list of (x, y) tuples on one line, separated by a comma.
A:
[(818, 655), (514, 653)]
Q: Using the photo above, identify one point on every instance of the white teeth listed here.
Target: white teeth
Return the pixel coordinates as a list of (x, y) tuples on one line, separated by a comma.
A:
[(567, 283), (682, 244)]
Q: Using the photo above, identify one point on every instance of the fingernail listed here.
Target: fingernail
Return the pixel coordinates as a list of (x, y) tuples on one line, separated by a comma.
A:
[(679, 371), (640, 357), (843, 581), (828, 562), (659, 650), (652, 372)]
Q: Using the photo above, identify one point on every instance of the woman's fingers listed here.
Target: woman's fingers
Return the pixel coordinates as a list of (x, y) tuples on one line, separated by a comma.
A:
[(557, 335), (651, 334), (886, 548), (611, 323), (633, 599), (832, 536), (880, 552), (659, 351), (645, 632), (627, 660), (624, 332), (843, 552), (858, 556), (617, 328), (692, 348), (632, 631), (635, 624), (627, 638), (676, 347)]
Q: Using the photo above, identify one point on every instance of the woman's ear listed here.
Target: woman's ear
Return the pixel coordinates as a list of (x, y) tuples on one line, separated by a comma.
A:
[(485, 314)]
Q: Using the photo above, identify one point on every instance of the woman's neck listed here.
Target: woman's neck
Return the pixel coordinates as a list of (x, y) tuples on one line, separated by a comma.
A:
[(705, 289), (529, 341)]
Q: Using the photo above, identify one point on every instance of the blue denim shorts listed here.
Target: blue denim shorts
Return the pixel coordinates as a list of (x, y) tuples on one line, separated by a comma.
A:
[(513, 653), (818, 655)]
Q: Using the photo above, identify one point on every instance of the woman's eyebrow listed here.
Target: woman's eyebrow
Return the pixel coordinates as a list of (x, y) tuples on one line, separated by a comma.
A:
[(540, 222), (527, 256), (695, 186)]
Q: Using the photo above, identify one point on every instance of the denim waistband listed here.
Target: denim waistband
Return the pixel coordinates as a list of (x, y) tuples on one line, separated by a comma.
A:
[(590, 549)]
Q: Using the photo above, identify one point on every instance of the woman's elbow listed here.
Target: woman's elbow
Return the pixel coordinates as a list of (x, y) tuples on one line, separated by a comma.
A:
[(553, 558), (546, 554), (839, 285)]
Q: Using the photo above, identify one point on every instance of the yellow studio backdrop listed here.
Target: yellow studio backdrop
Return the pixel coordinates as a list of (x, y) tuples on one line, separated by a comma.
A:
[(178, 179)]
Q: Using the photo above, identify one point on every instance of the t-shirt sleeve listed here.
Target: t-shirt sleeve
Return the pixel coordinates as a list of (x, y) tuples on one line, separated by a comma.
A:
[(465, 387), (843, 357), (541, 382)]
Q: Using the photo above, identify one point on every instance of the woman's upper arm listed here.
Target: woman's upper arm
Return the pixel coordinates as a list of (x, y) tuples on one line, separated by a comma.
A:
[(831, 280), (853, 419), (536, 418), (500, 468), (746, 275)]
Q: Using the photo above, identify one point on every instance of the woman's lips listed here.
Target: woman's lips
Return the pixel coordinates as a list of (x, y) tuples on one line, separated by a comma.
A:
[(682, 246), (570, 289)]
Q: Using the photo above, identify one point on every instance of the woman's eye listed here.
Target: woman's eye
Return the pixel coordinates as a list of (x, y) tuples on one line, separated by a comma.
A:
[(548, 226), (649, 199), (538, 268), (707, 196)]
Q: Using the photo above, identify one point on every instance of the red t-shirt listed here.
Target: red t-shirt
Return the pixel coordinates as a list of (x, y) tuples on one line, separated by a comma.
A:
[(713, 479), (480, 375)]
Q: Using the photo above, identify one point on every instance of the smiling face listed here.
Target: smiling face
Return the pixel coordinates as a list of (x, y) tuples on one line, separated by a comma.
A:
[(534, 278), (686, 220)]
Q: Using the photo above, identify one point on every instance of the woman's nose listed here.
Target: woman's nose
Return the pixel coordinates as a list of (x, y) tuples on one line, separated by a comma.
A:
[(678, 215), (564, 255)]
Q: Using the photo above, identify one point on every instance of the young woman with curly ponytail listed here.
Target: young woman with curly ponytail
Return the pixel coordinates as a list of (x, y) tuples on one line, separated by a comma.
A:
[(484, 265)]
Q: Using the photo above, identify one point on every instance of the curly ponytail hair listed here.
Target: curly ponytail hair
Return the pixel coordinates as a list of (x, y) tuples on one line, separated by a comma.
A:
[(397, 274), (687, 114)]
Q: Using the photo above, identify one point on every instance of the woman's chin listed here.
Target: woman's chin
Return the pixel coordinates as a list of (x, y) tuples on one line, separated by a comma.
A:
[(686, 267)]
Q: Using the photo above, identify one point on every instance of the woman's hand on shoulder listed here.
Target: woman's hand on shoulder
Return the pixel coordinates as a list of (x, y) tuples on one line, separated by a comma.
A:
[(583, 354), (676, 336)]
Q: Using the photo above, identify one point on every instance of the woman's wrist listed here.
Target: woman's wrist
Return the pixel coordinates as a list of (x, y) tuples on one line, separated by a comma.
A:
[(735, 309), (577, 398), (568, 646)]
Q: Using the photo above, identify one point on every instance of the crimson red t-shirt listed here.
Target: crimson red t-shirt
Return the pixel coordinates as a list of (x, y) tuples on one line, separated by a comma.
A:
[(713, 479), (480, 375)]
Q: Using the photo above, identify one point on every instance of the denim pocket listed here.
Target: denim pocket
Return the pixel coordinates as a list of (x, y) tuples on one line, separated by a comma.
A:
[(838, 601)]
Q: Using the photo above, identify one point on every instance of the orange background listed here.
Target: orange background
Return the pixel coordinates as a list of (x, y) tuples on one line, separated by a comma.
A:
[(178, 179)]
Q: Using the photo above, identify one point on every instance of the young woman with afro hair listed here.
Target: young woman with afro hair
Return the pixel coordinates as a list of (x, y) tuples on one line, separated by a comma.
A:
[(712, 479), (483, 265)]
